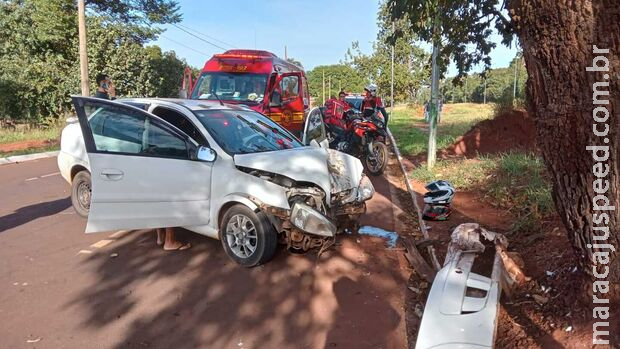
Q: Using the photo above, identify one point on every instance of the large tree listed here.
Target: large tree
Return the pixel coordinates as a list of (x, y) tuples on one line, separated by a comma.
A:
[(39, 55), (559, 40)]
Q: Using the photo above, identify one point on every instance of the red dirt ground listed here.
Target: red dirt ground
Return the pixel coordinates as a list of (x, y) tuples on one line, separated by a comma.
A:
[(564, 319), (21, 145), (509, 131)]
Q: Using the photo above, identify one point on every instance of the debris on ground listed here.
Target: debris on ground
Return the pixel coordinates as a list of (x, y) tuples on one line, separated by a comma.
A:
[(467, 310), (390, 236)]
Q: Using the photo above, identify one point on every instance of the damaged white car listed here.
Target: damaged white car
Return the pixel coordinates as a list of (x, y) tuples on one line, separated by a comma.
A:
[(219, 170)]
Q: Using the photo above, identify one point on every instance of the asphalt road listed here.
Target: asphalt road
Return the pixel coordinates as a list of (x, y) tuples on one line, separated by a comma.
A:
[(61, 288)]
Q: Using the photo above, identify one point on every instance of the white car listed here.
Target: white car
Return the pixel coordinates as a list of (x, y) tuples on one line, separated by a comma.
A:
[(223, 171)]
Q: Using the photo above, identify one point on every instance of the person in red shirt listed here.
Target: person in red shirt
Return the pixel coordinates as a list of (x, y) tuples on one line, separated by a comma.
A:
[(372, 102), (334, 114)]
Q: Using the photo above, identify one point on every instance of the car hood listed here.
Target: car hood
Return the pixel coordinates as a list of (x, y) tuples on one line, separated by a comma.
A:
[(331, 170)]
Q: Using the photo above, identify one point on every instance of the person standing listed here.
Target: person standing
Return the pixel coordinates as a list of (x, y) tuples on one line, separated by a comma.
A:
[(105, 87), (166, 238)]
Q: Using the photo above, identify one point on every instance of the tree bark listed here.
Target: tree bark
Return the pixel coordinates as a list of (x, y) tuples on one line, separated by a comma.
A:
[(557, 37)]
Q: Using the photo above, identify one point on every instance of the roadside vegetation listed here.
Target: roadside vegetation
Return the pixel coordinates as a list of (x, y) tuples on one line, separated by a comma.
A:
[(411, 133), (8, 135), (514, 181)]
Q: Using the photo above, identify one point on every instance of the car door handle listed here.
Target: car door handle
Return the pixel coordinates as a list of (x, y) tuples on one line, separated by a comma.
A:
[(111, 174)]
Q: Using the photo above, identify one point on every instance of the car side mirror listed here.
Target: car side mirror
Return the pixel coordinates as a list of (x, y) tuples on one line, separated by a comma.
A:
[(206, 154)]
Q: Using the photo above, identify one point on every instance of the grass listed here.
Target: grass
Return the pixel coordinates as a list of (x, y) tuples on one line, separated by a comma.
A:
[(515, 181), (407, 123), (36, 134)]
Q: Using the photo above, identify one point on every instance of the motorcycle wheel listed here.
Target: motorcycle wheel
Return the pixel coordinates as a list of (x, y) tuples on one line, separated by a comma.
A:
[(377, 161)]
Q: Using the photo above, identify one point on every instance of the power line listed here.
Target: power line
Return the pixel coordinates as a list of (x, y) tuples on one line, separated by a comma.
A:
[(207, 36), (187, 47), (199, 38)]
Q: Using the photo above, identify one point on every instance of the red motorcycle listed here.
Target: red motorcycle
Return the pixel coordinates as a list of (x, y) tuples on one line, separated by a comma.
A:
[(363, 137)]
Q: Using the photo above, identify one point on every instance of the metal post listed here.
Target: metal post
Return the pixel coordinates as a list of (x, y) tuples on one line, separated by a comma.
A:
[(83, 52), (432, 134), (514, 89), (329, 83), (323, 86), (392, 83)]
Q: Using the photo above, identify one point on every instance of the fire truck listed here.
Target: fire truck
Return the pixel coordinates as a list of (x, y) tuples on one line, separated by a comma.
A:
[(257, 79)]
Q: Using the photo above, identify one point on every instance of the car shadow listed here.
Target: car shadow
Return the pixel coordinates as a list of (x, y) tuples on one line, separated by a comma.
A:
[(31, 212)]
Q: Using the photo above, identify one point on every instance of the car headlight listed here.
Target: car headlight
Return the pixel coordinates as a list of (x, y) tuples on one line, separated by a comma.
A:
[(309, 220), (365, 189)]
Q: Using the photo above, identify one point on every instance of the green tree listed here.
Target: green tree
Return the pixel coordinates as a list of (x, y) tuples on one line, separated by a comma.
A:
[(38, 56), (411, 68), (342, 76), (557, 39), (294, 61)]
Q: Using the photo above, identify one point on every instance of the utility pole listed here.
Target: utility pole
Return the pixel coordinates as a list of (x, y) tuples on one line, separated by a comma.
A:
[(432, 133), (466, 89), (285, 53), (485, 90), (392, 83), (323, 86), (83, 52), (329, 83), (514, 89)]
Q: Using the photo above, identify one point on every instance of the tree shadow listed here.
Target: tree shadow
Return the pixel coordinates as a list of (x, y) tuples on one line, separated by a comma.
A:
[(290, 302), (31, 212)]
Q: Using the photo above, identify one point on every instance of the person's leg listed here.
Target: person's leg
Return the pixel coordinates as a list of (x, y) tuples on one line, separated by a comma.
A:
[(172, 244), (160, 236)]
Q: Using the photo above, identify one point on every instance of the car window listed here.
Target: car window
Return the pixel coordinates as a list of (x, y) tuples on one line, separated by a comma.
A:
[(122, 130), (289, 85), (161, 142), (315, 129), (240, 87), (242, 132), (179, 121), (306, 92)]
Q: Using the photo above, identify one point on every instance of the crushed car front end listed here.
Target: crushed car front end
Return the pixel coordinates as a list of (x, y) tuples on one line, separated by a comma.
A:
[(326, 193)]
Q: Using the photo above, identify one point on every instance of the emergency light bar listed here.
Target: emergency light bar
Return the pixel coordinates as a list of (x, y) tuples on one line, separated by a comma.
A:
[(224, 55), (245, 54)]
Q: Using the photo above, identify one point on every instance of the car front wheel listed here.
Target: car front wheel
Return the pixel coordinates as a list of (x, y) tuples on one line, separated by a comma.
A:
[(81, 192), (247, 237)]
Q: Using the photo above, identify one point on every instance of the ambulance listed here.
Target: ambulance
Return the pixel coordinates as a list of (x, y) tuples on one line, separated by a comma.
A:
[(259, 80)]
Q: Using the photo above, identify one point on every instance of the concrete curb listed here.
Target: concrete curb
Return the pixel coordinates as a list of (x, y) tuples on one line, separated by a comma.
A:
[(431, 249), (28, 157)]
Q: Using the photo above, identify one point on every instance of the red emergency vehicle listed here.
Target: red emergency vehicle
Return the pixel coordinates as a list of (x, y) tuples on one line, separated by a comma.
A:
[(260, 80)]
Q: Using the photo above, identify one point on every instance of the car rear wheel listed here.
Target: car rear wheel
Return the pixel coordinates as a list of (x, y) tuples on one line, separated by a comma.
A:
[(81, 193), (247, 237)]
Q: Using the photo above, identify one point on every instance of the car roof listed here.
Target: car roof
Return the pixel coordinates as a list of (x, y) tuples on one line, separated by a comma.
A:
[(191, 104)]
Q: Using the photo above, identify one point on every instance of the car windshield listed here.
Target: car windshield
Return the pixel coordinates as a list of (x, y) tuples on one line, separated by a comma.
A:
[(243, 132), (236, 87), (355, 102)]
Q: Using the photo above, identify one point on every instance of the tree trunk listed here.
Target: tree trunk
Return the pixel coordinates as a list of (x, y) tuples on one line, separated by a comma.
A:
[(557, 37)]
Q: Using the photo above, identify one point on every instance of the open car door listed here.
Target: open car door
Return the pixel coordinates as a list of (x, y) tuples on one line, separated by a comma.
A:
[(144, 171), (314, 127)]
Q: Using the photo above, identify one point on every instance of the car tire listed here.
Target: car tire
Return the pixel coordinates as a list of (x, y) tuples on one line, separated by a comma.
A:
[(81, 193), (247, 236)]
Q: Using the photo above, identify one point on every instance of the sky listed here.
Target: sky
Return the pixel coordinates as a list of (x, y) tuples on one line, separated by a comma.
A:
[(315, 32)]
